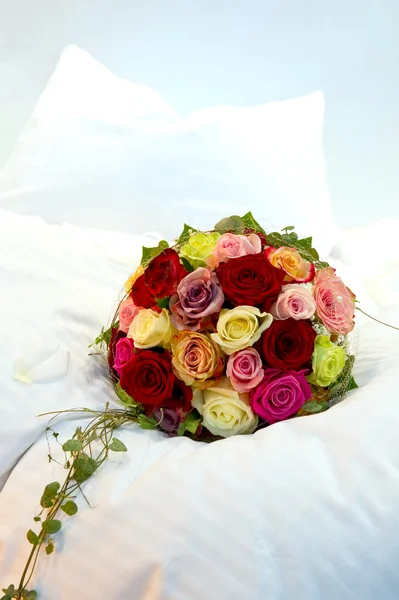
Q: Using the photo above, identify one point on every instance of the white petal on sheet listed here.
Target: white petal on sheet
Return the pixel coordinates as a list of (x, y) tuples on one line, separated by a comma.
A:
[(42, 361)]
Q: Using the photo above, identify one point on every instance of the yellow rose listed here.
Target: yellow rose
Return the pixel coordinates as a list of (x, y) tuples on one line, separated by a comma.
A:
[(129, 283), (224, 411), (199, 247), (240, 327), (196, 358), (289, 260), (327, 362), (150, 328)]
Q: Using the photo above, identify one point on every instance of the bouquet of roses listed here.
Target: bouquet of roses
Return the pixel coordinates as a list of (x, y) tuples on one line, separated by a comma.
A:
[(229, 331)]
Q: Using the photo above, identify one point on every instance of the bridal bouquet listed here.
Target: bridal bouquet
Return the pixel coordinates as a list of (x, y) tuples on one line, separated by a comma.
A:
[(229, 331), (226, 332)]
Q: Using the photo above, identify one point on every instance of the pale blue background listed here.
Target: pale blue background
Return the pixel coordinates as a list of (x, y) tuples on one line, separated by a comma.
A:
[(199, 53)]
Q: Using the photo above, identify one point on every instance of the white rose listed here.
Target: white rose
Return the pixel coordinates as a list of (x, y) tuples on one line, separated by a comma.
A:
[(240, 327), (224, 411), (150, 328)]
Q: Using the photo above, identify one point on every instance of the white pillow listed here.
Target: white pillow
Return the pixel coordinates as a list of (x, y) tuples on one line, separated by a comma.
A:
[(103, 152)]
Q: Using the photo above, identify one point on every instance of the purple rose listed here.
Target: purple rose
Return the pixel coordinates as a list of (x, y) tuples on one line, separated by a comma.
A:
[(199, 295), (123, 353), (280, 394), (168, 419)]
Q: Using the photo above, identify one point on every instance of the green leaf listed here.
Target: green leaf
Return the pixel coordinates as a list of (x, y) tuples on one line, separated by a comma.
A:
[(123, 396), (32, 537), (146, 422), (117, 446), (289, 228), (52, 525), (29, 595), (188, 266), (37, 519), (50, 548), (352, 385), (105, 336), (312, 407), (69, 508), (84, 467), (50, 492), (290, 239), (72, 446), (305, 243), (185, 234), (163, 302), (314, 254), (322, 265), (251, 223), (150, 253), (233, 223), (9, 593), (274, 239), (191, 423)]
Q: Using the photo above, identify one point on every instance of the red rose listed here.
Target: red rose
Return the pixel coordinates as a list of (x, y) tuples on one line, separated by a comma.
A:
[(288, 344), (141, 295), (250, 280), (148, 378), (164, 273), (181, 397), (159, 280)]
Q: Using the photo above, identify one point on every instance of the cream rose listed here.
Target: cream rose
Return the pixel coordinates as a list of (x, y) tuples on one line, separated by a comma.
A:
[(240, 327), (224, 411), (150, 328)]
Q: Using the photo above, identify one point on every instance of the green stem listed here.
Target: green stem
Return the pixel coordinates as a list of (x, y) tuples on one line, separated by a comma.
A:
[(377, 320)]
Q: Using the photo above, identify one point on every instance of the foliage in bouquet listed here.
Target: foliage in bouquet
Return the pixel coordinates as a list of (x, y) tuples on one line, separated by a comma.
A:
[(229, 331)]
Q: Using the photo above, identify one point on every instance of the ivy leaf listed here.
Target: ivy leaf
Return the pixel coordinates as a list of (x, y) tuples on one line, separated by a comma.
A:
[(29, 595), (49, 548), (322, 265), (150, 253), (312, 407), (233, 223), (117, 446), (188, 266), (37, 519), (251, 223), (9, 593), (305, 243), (72, 446), (190, 424), (84, 467), (104, 337), (290, 239), (163, 302), (146, 422), (274, 239), (69, 508), (185, 234), (123, 396), (52, 525), (289, 228), (32, 537), (50, 492)]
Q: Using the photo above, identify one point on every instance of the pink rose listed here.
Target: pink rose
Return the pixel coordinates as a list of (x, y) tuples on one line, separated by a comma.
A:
[(335, 303), (244, 368), (124, 351), (295, 302), (127, 311), (230, 245), (280, 395), (199, 295)]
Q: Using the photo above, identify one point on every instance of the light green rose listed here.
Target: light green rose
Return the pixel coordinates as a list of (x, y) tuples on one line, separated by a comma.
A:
[(240, 327), (199, 247), (327, 362), (224, 411)]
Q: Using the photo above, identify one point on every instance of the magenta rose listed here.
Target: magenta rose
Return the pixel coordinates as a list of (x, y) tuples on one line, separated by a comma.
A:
[(280, 395), (123, 353), (244, 368), (199, 295)]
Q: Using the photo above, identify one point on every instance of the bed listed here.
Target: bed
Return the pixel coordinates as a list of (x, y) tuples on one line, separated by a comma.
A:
[(305, 509)]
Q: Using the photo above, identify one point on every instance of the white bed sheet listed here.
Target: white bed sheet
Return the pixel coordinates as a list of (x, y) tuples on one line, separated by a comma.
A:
[(306, 509)]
